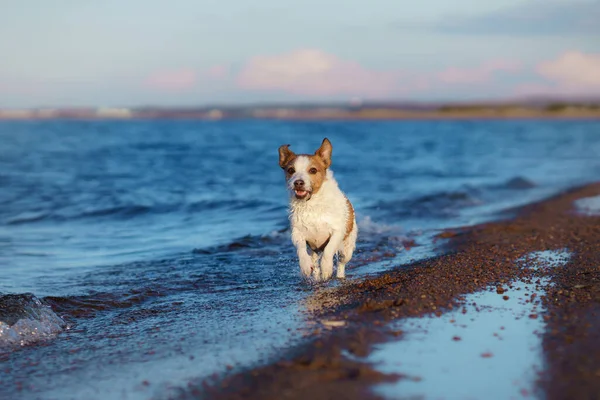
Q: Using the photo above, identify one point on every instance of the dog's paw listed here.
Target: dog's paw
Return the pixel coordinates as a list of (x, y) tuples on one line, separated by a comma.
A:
[(316, 273), (341, 271), (306, 266), (326, 268)]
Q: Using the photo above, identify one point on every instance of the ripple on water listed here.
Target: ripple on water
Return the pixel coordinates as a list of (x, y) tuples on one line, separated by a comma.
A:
[(24, 320)]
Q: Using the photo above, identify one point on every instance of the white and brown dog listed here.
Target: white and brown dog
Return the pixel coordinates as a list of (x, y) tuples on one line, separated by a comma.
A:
[(321, 216)]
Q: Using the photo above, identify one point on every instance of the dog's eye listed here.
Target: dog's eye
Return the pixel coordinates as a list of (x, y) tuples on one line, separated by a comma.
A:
[(291, 170), (312, 171)]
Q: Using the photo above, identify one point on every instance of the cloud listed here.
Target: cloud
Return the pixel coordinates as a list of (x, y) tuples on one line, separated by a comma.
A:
[(486, 72), (312, 72), (184, 79), (571, 73), (172, 80), (573, 68), (553, 17), (315, 73), (217, 71)]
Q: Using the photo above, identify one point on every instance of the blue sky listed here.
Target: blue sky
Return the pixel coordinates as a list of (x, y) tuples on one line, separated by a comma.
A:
[(188, 52)]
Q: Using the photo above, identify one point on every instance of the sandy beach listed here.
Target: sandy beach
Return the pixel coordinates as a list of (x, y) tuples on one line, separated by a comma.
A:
[(352, 319)]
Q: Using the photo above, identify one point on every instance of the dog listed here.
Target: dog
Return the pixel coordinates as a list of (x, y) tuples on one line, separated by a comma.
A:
[(322, 218)]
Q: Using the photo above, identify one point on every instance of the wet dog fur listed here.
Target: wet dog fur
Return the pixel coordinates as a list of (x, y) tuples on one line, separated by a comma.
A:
[(321, 216)]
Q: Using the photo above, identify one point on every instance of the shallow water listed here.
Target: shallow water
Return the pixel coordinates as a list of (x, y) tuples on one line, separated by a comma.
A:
[(162, 245), (491, 347), (588, 205)]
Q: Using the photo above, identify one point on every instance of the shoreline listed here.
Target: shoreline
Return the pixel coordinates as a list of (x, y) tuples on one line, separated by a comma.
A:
[(355, 316), (333, 118), (311, 113)]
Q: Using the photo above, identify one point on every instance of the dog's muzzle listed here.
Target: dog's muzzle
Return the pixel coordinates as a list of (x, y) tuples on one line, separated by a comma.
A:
[(300, 190)]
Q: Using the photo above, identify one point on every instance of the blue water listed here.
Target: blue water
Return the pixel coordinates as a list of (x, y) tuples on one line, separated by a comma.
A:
[(162, 245)]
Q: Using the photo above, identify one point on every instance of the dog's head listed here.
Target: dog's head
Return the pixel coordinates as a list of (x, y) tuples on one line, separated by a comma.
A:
[(305, 173)]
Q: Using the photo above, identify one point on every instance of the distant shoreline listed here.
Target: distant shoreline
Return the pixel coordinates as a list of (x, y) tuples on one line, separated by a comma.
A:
[(555, 111)]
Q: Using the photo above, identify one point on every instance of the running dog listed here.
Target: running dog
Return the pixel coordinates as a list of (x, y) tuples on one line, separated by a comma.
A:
[(321, 216)]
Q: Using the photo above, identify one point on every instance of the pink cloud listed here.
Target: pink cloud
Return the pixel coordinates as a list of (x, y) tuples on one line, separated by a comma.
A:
[(315, 73), (217, 71), (571, 73), (480, 74), (175, 80), (573, 69)]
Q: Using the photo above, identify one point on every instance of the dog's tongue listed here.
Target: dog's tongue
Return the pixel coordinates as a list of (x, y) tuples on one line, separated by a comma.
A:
[(300, 192)]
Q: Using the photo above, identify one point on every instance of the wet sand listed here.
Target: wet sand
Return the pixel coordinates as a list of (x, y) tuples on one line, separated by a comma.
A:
[(351, 318)]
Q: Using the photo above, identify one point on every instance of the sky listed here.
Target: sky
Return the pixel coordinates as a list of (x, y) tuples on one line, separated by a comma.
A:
[(123, 53)]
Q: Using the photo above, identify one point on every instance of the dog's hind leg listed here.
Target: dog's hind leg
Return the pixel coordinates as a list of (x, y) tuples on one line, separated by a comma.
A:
[(345, 252)]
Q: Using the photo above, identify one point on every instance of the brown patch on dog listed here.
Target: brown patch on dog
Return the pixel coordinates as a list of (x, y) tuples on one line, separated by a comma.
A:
[(350, 220), (286, 156), (324, 152), (289, 172), (319, 162), (316, 179)]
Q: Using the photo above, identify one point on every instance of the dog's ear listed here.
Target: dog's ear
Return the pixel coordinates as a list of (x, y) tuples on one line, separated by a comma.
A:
[(325, 152), (285, 154)]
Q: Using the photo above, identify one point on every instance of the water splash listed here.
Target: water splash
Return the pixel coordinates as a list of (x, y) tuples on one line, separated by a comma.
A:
[(24, 320)]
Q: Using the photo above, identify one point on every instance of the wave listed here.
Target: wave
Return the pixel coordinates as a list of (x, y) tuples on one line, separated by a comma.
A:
[(88, 305), (449, 204), (122, 211), (129, 211), (28, 217), (517, 183), (442, 204), (25, 319), (212, 205), (276, 237), (137, 210), (367, 226)]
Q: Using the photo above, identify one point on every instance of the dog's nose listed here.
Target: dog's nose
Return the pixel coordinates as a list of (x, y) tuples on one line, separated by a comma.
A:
[(299, 183)]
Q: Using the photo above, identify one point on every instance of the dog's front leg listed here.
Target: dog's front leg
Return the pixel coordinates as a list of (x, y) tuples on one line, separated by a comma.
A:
[(327, 259), (305, 260), (314, 256)]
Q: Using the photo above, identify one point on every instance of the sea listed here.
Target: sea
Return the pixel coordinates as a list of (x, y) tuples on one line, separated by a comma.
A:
[(138, 258)]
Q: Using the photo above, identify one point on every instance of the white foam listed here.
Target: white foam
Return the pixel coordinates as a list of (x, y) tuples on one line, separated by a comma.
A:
[(491, 350), (588, 205), (366, 225)]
